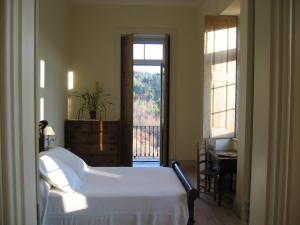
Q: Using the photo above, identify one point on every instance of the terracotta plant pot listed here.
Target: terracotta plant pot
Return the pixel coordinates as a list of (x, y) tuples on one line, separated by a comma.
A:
[(93, 115)]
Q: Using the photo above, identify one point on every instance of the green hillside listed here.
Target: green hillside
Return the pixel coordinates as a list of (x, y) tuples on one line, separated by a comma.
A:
[(146, 98)]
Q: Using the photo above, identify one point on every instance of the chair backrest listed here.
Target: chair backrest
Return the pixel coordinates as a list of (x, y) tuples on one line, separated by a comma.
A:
[(203, 159), (202, 155), (210, 142), (202, 151)]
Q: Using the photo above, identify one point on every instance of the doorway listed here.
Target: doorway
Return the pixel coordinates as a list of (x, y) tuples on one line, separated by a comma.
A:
[(148, 62), (145, 99)]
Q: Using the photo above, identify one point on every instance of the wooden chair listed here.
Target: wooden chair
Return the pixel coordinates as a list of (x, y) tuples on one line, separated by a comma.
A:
[(205, 171)]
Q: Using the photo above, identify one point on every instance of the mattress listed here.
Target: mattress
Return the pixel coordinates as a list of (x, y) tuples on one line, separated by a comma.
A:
[(44, 192), (121, 196)]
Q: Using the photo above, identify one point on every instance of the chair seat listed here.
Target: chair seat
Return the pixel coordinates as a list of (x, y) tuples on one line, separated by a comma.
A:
[(208, 172)]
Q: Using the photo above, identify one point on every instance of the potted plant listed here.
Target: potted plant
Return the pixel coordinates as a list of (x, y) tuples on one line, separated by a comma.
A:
[(93, 102)]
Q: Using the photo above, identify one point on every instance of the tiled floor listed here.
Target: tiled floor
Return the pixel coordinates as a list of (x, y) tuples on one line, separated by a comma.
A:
[(145, 164)]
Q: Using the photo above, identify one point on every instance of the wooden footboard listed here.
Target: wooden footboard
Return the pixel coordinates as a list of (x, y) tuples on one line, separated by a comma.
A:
[(192, 193)]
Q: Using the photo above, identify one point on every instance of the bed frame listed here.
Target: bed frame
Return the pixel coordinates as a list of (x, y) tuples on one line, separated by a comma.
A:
[(42, 125), (192, 193)]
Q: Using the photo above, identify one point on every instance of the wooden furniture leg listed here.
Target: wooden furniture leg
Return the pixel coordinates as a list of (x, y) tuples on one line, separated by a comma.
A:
[(215, 187), (220, 184)]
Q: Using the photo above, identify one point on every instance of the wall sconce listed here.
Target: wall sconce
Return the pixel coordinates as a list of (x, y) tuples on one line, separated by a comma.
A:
[(48, 131)]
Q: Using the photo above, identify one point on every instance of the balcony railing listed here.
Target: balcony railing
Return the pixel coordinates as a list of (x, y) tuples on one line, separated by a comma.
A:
[(146, 143)]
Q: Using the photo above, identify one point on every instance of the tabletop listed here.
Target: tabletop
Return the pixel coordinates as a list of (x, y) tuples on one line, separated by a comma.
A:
[(224, 154)]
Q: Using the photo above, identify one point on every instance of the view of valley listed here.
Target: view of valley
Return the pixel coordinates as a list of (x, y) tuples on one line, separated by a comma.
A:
[(146, 111), (146, 99)]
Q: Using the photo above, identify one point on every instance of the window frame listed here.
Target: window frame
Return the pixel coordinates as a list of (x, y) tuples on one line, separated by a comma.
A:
[(151, 39), (213, 23)]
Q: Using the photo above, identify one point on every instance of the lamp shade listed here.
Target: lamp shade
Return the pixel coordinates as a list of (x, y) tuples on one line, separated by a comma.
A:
[(49, 131)]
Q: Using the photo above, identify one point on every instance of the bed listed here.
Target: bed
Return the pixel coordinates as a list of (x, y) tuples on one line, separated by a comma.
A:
[(111, 195)]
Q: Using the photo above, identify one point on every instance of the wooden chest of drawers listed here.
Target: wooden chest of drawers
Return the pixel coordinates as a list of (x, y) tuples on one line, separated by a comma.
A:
[(96, 142)]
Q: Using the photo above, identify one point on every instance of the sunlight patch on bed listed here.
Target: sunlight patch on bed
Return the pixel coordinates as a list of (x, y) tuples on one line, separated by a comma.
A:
[(74, 202), (105, 174)]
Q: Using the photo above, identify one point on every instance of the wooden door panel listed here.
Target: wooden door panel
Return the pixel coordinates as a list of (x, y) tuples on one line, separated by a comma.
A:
[(126, 98)]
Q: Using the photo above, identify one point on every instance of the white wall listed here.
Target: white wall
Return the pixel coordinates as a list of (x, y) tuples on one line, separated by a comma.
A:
[(53, 48), (95, 56)]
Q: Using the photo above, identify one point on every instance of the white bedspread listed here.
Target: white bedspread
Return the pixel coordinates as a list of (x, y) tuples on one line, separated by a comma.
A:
[(121, 196)]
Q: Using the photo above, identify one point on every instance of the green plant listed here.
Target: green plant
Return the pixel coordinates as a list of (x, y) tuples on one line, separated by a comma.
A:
[(93, 102)]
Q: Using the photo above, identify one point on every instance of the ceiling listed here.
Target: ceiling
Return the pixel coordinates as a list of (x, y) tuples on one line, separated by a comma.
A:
[(139, 2), (233, 9)]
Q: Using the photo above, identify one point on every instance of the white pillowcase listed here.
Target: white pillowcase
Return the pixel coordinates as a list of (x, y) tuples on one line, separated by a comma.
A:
[(58, 174), (70, 159)]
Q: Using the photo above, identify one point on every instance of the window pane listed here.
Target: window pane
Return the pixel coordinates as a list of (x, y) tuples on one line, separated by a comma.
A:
[(232, 38), (221, 40), (220, 67), (210, 37), (218, 120), (231, 96), (230, 126), (147, 69), (138, 51), (219, 99), (154, 51), (231, 72)]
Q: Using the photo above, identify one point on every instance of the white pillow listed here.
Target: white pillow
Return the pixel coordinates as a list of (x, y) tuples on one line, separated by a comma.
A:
[(70, 159), (58, 174)]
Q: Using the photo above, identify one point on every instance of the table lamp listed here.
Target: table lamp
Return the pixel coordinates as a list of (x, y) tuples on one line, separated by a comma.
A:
[(48, 131)]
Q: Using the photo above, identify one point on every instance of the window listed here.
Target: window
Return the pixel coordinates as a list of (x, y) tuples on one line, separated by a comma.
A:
[(148, 52), (221, 75)]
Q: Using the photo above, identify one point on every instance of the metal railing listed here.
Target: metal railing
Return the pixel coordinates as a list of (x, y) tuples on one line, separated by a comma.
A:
[(146, 143)]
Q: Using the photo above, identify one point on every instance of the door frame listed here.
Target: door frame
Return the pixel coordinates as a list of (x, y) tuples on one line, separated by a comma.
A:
[(272, 143), (18, 113), (165, 87), (1, 75)]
